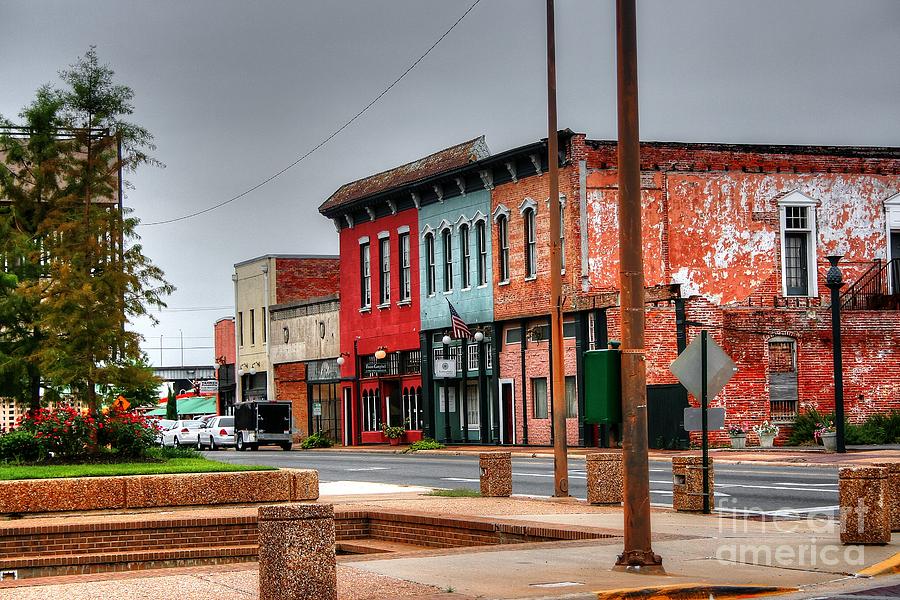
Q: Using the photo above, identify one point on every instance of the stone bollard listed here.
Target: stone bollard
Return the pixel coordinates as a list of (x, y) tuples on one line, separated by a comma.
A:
[(687, 483), (496, 473), (892, 492), (865, 513), (604, 478), (296, 552)]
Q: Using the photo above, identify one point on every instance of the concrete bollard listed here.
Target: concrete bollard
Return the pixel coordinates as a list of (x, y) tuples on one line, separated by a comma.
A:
[(687, 483), (892, 492), (604, 478), (865, 513), (496, 473), (296, 552)]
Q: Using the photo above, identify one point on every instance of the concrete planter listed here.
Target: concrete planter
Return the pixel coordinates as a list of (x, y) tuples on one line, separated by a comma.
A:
[(739, 442), (766, 441), (829, 440)]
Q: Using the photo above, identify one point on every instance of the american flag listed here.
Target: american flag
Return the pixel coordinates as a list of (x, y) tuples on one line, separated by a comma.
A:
[(460, 329)]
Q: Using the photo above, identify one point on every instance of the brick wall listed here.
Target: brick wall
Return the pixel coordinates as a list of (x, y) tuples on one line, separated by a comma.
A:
[(290, 384), (305, 278), (223, 331)]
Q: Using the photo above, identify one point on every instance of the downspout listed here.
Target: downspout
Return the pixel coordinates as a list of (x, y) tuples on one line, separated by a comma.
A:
[(270, 376), (238, 379)]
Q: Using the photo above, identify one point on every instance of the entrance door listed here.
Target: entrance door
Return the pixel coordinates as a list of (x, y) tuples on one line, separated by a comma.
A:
[(665, 416), (324, 409), (507, 422), (348, 417)]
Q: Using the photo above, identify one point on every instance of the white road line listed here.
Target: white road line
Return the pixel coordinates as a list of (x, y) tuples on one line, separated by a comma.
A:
[(773, 487), (368, 469), (460, 479)]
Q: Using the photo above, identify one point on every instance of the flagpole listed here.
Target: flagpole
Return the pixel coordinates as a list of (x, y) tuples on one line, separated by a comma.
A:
[(557, 350)]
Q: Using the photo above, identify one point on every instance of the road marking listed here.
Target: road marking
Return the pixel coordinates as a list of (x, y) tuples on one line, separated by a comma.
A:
[(671, 493), (460, 479), (773, 487), (785, 512), (368, 469)]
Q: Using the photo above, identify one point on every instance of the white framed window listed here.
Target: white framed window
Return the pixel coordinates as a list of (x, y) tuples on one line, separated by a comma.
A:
[(503, 237), (797, 214), (448, 260), (430, 275), (481, 241), (365, 273), (539, 396), (473, 406), (404, 267), (464, 255), (384, 247), (530, 243)]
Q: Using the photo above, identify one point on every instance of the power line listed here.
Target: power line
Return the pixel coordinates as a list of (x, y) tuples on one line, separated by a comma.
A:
[(190, 308), (323, 142)]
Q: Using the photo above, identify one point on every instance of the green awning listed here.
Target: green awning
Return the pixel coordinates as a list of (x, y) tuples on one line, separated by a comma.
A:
[(200, 405)]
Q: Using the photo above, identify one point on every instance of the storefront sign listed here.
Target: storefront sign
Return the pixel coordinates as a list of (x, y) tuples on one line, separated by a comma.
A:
[(444, 367)]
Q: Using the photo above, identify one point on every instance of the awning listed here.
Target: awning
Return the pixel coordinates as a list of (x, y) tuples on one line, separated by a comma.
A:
[(200, 405)]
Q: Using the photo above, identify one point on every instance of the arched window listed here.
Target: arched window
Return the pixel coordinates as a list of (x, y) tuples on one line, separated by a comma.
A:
[(430, 283), (503, 243), (448, 260), (464, 260), (530, 243), (481, 243)]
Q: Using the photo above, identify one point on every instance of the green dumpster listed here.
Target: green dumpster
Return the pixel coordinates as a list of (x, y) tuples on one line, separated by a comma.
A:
[(603, 386)]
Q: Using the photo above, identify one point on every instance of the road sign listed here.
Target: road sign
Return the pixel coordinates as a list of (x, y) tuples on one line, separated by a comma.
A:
[(444, 368), (693, 419), (719, 368), (317, 409)]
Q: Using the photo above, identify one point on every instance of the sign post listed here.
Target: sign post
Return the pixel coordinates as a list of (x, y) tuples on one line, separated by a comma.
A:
[(704, 369)]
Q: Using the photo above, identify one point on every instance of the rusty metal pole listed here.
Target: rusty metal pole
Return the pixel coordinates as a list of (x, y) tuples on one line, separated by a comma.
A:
[(638, 554), (557, 350)]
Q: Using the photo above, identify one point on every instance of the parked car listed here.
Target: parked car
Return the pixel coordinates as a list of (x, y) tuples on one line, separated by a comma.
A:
[(182, 433), (161, 426), (262, 423), (216, 433)]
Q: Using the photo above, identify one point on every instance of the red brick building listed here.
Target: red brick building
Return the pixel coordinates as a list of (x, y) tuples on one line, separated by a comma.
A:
[(225, 350)]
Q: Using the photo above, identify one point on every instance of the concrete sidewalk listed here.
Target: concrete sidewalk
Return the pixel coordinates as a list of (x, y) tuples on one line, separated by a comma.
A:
[(714, 550)]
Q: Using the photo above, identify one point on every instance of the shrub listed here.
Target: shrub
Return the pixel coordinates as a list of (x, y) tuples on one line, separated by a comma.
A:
[(805, 426), (64, 431), (166, 452), (317, 440), (425, 444), (128, 434), (20, 446)]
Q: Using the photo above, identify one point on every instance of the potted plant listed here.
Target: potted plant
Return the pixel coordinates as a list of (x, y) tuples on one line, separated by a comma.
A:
[(766, 432), (393, 434), (738, 434), (826, 433)]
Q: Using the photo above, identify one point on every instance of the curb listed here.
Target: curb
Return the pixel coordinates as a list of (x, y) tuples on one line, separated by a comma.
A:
[(889, 566), (697, 591)]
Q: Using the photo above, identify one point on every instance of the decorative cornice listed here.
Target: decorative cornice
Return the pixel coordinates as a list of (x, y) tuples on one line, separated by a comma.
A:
[(417, 201), (511, 167), (501, 211), (461, 185), (349, 218), (526, 204), (439, 192), (536, 161), (487, 178), (371, 212), (392, 205)]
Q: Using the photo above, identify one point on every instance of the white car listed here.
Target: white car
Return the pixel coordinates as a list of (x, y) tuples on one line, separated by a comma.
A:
[(182, 433), (216, 433), (161, 426)]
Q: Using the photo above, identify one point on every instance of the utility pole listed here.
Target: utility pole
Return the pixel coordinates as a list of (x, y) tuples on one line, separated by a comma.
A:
[(638, 554), (557, 351)]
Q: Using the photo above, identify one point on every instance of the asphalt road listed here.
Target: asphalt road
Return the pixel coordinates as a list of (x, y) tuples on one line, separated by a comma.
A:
[(764, 489)]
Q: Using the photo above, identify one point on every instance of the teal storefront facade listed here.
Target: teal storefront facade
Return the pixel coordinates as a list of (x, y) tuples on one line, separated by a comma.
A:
[(456, 267)]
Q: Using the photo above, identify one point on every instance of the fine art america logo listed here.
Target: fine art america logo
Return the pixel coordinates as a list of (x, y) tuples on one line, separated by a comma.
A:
[(787, 538)]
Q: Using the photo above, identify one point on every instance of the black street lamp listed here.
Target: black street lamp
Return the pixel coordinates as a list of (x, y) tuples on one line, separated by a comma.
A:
[(835, 280)]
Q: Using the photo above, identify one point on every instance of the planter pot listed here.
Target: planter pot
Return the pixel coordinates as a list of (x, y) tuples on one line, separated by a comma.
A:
[(829, 440), (413, 435), (394, 441), (372, 437), (739, 442), (766, 441)]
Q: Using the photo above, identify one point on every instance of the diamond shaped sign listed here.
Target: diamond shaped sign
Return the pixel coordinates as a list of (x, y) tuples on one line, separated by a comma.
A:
[(719, 368)]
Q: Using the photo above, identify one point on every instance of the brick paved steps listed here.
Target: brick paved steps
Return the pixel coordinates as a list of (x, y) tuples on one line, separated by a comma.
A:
[(373, 546)]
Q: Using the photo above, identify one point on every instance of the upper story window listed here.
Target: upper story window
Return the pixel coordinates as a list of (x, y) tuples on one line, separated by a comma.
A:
[(562, 235), (252, 326), (503, 243), (448, 260), (430, 276), (263, 323), (365, 272), (384, 280), (798, 245), (481, 243), (464, 255), (404, 267), (241, 328), (530, 243)]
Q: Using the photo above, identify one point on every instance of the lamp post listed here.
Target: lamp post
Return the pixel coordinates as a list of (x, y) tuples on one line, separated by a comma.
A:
[(834, 279), (447, 433)]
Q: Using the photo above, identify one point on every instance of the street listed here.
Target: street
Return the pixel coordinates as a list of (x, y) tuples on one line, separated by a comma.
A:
[(759, 489)]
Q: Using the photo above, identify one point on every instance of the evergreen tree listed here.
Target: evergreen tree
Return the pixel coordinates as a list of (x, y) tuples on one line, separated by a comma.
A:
[(172, 406)]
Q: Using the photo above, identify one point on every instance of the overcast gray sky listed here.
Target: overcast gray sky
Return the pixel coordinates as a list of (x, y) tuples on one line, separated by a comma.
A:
[(236, 90)]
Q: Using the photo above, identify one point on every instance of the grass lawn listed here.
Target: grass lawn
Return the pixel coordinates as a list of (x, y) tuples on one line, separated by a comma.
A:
[(171, 465)]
